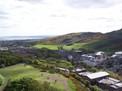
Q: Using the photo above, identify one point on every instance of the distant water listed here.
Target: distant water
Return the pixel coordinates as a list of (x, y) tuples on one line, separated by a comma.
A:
[(23, 37)]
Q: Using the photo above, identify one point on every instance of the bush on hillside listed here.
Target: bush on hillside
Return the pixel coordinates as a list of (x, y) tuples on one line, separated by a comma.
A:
[(1, 79), (28, 84)]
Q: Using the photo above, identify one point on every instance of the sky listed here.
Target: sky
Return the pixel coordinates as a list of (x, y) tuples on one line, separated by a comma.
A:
[(57, 17)]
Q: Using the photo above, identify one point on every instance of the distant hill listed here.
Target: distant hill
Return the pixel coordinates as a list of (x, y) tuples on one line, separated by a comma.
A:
[(111, 41), (73, 38)]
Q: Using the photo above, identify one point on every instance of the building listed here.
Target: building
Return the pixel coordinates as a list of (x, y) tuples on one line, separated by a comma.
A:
[(84, 74), (64, 70), (78, 70), (3, 48), (94, 77), (117, 54), (94, 59), (110, 84)]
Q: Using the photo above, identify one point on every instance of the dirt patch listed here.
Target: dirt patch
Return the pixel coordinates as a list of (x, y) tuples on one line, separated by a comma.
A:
[(57, 78)]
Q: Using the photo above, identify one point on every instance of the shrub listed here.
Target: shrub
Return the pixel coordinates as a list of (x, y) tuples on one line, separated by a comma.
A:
[(95, 88), (1, 79), (52, 71), (28, 84), (43, 70)]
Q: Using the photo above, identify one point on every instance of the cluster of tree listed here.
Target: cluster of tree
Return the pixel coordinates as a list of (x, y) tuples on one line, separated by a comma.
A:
[(51, 64), (89, 68), (86, 50), (45, 53), (7, 59), (28, 84)]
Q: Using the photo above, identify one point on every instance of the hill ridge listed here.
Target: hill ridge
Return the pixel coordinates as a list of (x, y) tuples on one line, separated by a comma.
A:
[(93, 40)]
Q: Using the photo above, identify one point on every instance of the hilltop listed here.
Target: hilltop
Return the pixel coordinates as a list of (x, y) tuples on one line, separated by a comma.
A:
[(89, 40), (73, 38)]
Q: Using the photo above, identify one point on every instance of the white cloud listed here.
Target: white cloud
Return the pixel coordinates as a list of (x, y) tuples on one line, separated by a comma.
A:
[(52, 17)]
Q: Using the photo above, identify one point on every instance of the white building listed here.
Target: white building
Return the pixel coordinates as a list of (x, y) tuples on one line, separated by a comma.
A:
[(117, 54), (97, 75)]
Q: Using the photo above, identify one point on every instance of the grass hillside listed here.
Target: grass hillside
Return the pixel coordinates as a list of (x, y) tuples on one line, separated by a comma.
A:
[(111, 42), (72, 38), (108, 42), (19, 71)]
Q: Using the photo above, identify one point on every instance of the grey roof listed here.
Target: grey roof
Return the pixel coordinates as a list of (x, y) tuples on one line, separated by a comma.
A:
[(114, 83), (97, 75)]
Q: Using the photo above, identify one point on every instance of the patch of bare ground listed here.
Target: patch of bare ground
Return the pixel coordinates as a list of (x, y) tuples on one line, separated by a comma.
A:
[(58, 78)]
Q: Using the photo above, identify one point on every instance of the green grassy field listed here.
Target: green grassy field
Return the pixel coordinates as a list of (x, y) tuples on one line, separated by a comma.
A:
[(51, 47), (20, 71), (55, 47)]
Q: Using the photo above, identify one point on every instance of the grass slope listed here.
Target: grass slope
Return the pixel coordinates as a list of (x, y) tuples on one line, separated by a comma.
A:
[(72, 38), (20, 71)]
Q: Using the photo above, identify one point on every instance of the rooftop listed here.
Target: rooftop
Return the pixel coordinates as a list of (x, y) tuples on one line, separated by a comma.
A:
[(84, 73), (118, 53), (97, 75), (79, 69), (111, 82), (99, 53)]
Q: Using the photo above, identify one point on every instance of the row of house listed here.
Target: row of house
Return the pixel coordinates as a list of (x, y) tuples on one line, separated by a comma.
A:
[(102, 79)]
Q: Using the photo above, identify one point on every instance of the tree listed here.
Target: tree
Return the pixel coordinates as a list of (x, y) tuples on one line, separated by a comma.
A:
[(28, 84)]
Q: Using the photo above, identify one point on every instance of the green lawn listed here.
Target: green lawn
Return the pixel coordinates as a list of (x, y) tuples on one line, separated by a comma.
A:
[(55, 47), (20, 71), (51, 47)]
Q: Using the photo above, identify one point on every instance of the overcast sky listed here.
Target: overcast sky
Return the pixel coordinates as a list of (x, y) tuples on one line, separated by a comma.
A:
[(56, 17)]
